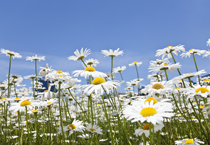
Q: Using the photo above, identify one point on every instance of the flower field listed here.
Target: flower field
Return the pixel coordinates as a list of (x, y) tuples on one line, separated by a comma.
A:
[(168, 111)]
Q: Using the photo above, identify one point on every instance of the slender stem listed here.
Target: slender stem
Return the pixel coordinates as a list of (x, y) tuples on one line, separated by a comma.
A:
[(137, 77), (112, 67), (83, 62), (166, 74), (10, 56), (123, 81), (59, 99), (178, 69), (196, 67), (36, 74)]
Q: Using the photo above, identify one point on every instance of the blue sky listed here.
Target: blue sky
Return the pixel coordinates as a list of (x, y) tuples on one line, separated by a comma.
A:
[(55, 29)]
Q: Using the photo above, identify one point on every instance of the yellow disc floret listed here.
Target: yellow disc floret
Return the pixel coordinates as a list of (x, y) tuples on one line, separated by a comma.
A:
[(189, 141), (151, 99), (92, 129), (25, 103), (146, 126), (135, 62), (59, 72), (97, 81), (207, 80), (202, 90), (149, 111), (34, 111), (157, 86), (3, 99), (90, 68), (72, 126)]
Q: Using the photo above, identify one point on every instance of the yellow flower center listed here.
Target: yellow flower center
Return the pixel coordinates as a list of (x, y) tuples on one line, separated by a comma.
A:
[(151, 99), (25, 103), (202, 107), (157, 86), (33, 111), (194, 103), (45, 91), (97, 81), (11, 51), (170, 47), (191, 50), (90, 68), (165, 64), (146, 126), (72, 126), (48, 103), (3, 99), (149, 111), (207, 80), (189, 141), (202, 90), (17, 98), (135, 62), (92, 129), (178, 88), (59, 71)]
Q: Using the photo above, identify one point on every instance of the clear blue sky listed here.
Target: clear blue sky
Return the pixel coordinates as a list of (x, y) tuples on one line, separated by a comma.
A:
[(56, 28)]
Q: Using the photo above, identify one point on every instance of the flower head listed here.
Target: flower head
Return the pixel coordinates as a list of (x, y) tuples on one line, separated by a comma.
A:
[(32, 58), (11, 53), (112, 53), (79, 55)]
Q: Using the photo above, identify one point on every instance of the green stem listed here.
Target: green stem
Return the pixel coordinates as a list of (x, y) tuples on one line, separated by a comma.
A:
[(196, 67), (166, 74), (10, 56), (112, 67), (83, 62), (59, 99)]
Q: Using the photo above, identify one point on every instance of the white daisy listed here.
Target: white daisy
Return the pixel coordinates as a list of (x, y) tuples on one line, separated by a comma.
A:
[(168, 50), (89, 71), (192, 51), (79, 55), (99, 85), (149, 112), (158, 62), (75, 126), (135, 63), (167, 67), (45, 70), (91, 62), (11, 53), (194, 141), (145, 129), (94, 129), (112, 53), (32, 58), (119, 69), (57, 76)]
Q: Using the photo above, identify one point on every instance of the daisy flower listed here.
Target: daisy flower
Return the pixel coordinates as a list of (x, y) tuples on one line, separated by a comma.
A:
[(32, 58), (99, 85), (160, 88), (145, 129), (192, 51), (158, 62), (89, 71), (70, 83), (112, 53), (119, 69), (79, 55), (194, 141), (202, 91), (45, 70), (57, 76), (135, 63), (84, 136), (11, 53), (75, 126), (92, 62), (94, 129), (167, 67), (20, 106), (168, 50), (149, 112)]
